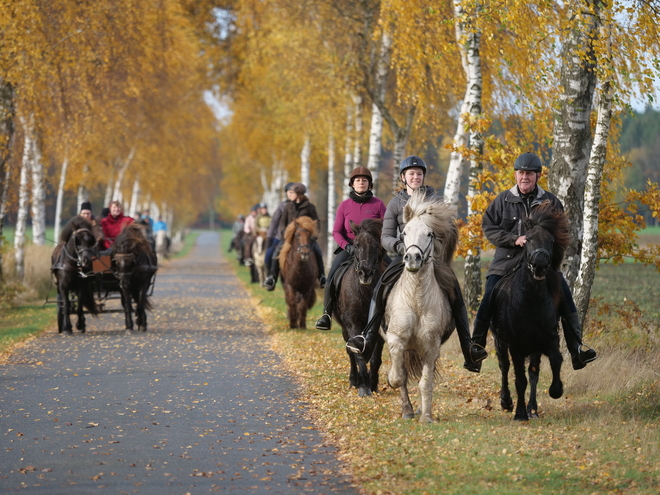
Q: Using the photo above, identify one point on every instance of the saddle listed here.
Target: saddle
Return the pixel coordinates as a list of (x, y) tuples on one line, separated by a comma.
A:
[(377, 306), (499, 286)]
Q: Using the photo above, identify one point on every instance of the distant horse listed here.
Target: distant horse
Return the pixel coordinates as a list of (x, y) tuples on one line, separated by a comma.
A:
[(71, 265), (418, 315), (299, 270), (353, 299), (259, 255), (162, 245), (135, 265), (525, 315)]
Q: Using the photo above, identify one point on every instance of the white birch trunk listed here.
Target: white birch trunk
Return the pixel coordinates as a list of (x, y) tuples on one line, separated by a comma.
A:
[(38, 195), (23, 204), (116, 192), (7, 133), (305, 166), (357, 150), (168, 216), (379, 91), (470, 43), (589, 254), (348, 153), (331, 200), (572, 131), (135, 195), (5, 193), (273, 191), (60, 198), (83, 193), (108, 193), (375, 142)]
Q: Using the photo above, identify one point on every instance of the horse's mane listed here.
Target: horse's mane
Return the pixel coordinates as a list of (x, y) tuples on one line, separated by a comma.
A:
[(132, 240), (71, 226), (439, 216), (306, 223), (372, 226), (556, 223)]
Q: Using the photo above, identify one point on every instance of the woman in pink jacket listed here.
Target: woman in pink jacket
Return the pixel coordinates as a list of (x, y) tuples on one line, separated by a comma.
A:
[(360, 205)]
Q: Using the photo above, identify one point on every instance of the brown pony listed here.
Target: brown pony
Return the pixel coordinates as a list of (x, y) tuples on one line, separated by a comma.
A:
[(299, 270), (135, 265)]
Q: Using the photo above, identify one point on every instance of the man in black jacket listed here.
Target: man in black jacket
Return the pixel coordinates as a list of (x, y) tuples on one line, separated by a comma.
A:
[(503, 226)]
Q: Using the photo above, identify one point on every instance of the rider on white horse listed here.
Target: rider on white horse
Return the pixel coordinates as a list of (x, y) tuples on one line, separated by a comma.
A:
[(412, 173)]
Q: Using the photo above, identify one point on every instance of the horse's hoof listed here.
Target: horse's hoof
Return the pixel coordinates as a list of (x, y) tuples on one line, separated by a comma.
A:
[(521, 418), (556, 391), (533, 414), (408, 415), (129, 331), (364, 392), (426, 419), (67, 332)]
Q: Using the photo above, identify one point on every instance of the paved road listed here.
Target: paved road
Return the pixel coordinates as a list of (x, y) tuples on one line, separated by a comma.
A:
[(198, 404)]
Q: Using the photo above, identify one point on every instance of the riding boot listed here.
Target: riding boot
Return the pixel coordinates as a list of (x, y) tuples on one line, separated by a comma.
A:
[(472, 352), (319, 263), (365, 342), (325, 321), (581, 354), (271, 280)]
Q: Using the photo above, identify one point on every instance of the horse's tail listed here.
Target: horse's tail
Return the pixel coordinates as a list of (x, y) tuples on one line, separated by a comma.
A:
[(413, 365), (87, 300)]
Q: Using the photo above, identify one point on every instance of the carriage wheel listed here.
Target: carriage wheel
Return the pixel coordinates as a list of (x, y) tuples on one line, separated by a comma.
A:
[(60, 313)]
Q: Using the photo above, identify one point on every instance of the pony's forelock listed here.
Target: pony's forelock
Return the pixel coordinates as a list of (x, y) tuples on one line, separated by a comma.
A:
[(556, 223), (438, 216)]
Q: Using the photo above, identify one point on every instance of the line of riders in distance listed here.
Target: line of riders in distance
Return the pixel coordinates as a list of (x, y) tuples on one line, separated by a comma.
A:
[(502, 225)]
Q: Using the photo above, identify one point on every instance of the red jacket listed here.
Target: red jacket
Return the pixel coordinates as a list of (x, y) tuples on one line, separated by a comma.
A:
[(112, 226)]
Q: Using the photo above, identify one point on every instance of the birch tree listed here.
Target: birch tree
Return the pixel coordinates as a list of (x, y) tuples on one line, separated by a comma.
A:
[(7, 116), (348, 152), (38, 195), (305, 164), (23, 205), (572, 129), (60, 198), (332, 206)]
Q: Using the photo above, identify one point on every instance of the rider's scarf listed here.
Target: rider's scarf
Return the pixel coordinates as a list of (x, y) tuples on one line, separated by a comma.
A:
[(361, 198)]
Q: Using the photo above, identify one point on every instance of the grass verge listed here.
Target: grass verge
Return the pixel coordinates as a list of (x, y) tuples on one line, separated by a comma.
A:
[(22, 322), (601, 436)]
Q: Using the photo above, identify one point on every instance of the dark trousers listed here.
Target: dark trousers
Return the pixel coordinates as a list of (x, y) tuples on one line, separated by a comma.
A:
[(328, 292)]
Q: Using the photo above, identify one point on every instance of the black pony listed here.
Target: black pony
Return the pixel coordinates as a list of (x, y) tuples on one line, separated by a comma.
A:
[(135, 265), (71, 265), (526, 312), (353, 298)]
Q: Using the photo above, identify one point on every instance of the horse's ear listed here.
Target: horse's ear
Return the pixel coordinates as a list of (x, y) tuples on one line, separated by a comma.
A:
[(355, 227)]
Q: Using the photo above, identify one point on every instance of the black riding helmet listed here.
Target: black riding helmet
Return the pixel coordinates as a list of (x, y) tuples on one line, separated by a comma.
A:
[(410, 162), (528, 161)]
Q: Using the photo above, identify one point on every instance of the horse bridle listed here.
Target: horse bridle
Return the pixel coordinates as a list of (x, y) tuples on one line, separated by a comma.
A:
[(531, 257), (79, 251), (426, 253), (298, 249)]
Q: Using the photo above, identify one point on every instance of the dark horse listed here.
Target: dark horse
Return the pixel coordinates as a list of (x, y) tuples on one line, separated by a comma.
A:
[(299, 270), (135, 265), (526, 311), (353, 298), (71, 265)]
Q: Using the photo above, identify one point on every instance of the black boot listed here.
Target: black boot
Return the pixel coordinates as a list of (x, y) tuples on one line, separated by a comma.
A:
[(472, 352), (324, 322), (365, 342), (271, 280), (581, 354)]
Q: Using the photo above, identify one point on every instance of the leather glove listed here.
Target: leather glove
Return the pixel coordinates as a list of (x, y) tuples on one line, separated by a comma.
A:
[(400, 248), (350, 249)]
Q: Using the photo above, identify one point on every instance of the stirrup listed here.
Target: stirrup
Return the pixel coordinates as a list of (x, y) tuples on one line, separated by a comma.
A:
[(321, 325), (360, 344), (477, 347), (581, 351)]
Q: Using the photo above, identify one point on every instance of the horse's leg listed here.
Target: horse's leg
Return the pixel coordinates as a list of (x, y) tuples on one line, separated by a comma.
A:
[(397, 376), (364, 389), (556, 387), (534, 369), (291, 306), (375, 363), (80, 324), (503, 361), (521, 386), (353, 374), (302, 311), (127, 303), (426, 384), (406, 406), (140, 297)]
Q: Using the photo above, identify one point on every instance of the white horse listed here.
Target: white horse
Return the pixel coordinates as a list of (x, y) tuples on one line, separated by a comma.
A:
[(418, 317)]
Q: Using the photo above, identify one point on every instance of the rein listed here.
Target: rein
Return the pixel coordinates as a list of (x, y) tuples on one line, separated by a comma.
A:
[(426, 253), (79, 252)]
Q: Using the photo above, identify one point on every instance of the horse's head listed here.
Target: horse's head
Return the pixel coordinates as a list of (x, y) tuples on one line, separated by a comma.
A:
[(368, 250), (305, 231), (418, 241), (538, 251), (123, 263), (82, 243), (546, 231)]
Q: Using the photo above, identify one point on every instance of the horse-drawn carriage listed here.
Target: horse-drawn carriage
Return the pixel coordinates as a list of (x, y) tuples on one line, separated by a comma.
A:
[(87, 281)]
